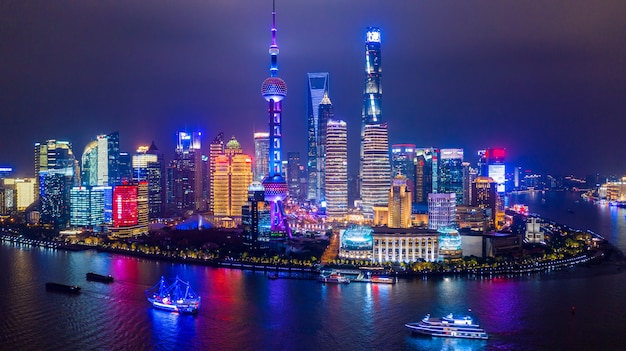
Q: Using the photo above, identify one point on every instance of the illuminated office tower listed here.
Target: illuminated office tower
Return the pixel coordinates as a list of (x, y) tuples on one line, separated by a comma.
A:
[(255, 217), (185, 173), (261, 155), (216, 148), (233, 175), (23, 190), (451, 172), (91, 207), (336, 172), (55, 155), (373, 91), (57, 171), (441, 211), (325, 114), (100, 162), (376, 174), (293, 176), (148, 167), (494, 163), (80, 208), (399, 203), (317, 89), (403, 162), (125, 205), (375, 170), (274, 91), (426, 169), (485, 196)]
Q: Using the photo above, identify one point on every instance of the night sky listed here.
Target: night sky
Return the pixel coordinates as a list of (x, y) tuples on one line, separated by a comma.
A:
[(545, 79)]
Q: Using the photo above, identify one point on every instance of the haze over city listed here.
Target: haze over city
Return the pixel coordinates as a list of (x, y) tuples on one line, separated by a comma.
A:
[(545, 80)]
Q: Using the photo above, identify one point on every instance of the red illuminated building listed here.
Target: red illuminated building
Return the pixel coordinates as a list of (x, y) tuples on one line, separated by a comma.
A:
[(124, 206)]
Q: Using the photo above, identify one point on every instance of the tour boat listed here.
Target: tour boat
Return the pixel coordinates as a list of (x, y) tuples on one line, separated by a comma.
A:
[(333, 277), (72, 289), (383, 279), (175, 297), (448, 326), (99, 277)]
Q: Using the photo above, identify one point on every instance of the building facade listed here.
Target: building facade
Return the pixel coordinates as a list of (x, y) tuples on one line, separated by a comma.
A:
[(336, 170), (451, 171), (233, 175), (441, 211)]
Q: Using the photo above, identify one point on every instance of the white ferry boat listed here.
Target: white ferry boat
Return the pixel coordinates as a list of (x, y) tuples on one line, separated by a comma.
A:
[(333, 277), (448, 326)]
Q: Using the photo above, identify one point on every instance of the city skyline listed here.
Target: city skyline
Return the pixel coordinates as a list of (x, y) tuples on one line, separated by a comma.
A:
[(472, 75)]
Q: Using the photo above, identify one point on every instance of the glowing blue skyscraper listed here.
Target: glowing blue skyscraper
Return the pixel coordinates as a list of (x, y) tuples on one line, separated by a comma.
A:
[(274, 91)]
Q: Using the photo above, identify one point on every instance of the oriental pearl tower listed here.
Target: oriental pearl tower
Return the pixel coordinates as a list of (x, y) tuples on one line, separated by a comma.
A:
[(274, 91)]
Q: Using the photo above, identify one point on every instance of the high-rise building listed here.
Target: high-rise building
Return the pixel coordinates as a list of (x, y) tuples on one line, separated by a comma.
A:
[(125, 205), (233, 175), (375, 174), (274, 91), (495, 167), (325, 114), (148, 167), (23, 190), (216, 148), (426, 169), (185, 176), (130, 210), (56, 172), (261, 155), (485, 196), (336, 170), (100, 162), (91, 207), (317, 89), (441, 211), (451, 172), (256, 218), (375, 169), (403, 162), (399, 203), (293, 175)]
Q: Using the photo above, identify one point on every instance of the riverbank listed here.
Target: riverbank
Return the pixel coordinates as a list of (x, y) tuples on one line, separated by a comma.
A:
[(608, 257)]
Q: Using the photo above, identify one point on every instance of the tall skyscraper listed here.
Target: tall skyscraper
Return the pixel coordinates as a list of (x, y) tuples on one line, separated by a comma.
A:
[(293, 175), (233, 175), (185, 173), (375, 172), (216, 148), (274, 91), (426, 169), (336, 170), (451, 171), (56, 171), (147, 167), (256, 219), (261, 155), (317, 88), (325, 114)]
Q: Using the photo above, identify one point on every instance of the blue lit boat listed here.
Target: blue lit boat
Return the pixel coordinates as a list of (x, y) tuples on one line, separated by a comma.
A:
[(448, 326), (175, 297)]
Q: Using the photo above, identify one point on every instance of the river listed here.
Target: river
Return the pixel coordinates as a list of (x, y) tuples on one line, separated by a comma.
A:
[(243, 310)]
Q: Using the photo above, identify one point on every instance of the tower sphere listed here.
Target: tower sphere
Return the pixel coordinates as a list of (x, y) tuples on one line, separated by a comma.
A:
[(274, 88)]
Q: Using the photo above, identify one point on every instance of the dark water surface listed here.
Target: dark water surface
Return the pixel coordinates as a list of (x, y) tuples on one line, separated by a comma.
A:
[(243, 310)]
